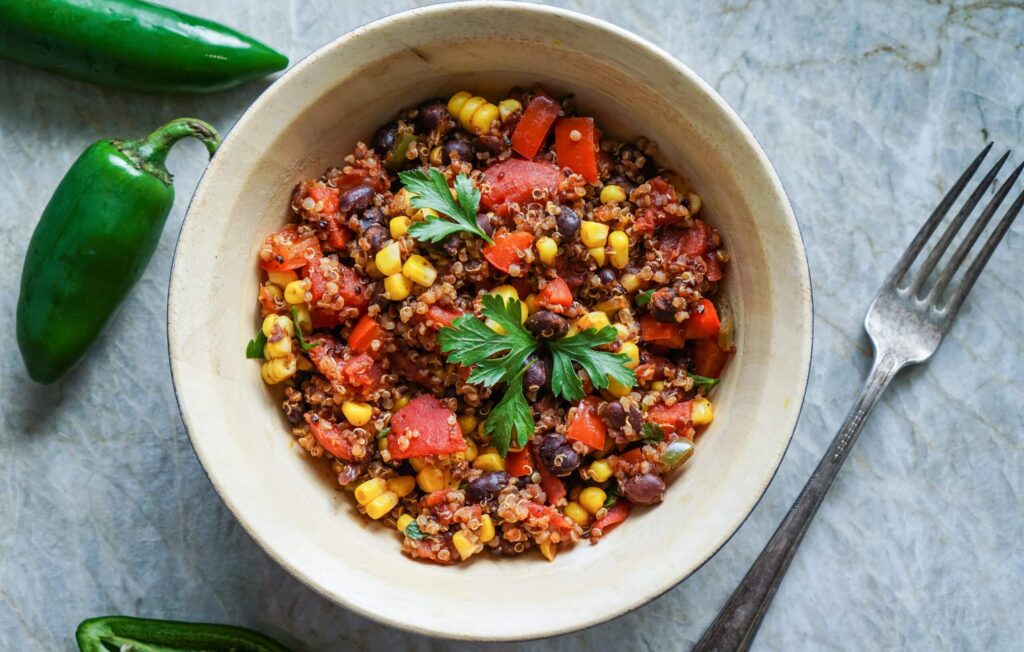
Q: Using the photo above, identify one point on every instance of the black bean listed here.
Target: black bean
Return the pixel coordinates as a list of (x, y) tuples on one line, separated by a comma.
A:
[(558, 455), (375, 214), (621, 181), (432, 115), (644, 489), (451, 245), (463, 149), (536, 375), (486, 486), (485, 223), (661, 305), (355, 199), (615, 415), (636, 419), (568, 223), (547, 325), (607, 276), (376, 235), (384, 139), (493, 144)]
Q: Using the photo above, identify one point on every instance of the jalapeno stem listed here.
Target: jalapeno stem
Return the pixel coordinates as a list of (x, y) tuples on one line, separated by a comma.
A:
[(150, 153)]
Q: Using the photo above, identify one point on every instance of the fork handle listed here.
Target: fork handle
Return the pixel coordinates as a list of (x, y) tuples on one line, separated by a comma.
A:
[(737, 622)]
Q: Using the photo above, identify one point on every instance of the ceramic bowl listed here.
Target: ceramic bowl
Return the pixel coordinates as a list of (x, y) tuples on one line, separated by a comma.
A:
[(309, 120)]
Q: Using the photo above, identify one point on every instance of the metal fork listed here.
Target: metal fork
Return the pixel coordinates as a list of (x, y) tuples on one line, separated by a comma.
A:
[(906, 323)]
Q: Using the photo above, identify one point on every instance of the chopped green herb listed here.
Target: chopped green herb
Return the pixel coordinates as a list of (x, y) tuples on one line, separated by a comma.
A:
[(613, 497), (413, 531), (511, 415), (254, 349), (469, 341), (384, 433), (303, 344), (599, 365), (653, 433), (430, 190), (643, 298), (703, 383)]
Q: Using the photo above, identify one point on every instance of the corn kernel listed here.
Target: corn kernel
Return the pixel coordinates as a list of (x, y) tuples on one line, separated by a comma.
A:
[(273, 291), (633, 352), (371, 269), (422, 214), (507, 107), (489, 462), (471, 451), (617, 389), (417, 464), (399, 226), (468, 109), (436, 156), (600, 471), (281, 348), (592, 499), (403, 201), (619, 243), (658, 385), (694, 201), (457, 101), (701, 411), (401, 402), (547, 250), (282, 322), (577, 513), (397, 287), (282, 279), (467, 423), (598, 254), (621, 331), (486, 532), (389, 259), (612, 193), (302, 363), (593, 234), (631, 282), (483, 117), (612, 305), (463, 545), (431, 478), (596, 320), (382, 505), (295, 292), (506, 292), (402, 485), (357, 413), (404, 521), (419, 270), (532, 304), (549, 550), (277, 370), (370, 489)]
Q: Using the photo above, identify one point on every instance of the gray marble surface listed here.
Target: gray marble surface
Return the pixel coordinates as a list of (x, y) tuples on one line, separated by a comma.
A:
[(868, 110)]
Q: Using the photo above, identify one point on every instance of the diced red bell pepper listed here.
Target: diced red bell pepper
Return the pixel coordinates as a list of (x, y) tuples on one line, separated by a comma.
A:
[(267, 301), (672, 418), (363, 334), (338, 235), (555, 518), (669, 335), (329, 438), (617, 513), (288, 250), (586, 426), (430, 427), (580, 154), (513, 182), (555, 293), (534, 126), (708, 358), (508, 249), (518, 463), (554, 488), (702, 324), (633, 455)]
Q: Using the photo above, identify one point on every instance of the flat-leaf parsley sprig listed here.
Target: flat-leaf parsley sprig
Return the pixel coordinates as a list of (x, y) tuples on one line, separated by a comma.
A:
[(430, 190), (501, 357)]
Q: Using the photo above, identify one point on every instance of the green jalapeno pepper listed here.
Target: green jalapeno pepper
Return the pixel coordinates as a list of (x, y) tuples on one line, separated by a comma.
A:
[(115, 633), (93, 242), (131, 45)]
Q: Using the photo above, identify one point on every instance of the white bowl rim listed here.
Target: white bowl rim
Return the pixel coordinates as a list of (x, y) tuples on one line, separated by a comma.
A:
[(777, 188)]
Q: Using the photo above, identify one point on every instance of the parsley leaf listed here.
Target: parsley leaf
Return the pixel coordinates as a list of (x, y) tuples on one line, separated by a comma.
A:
[(255, 347), (469, 341), (599, 365), (703, 383), (413, 531), (513, 413), (653, 433), (303, 344), (613, 497), (430, 190), (643, 298)]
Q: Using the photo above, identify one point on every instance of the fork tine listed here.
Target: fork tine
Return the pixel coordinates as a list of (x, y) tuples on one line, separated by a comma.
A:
[(972, 236), (974, 271), (922, 274), (929, 227)]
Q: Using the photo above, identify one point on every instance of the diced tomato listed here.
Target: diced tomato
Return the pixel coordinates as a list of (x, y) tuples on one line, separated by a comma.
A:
[(430, 427), (267, 301), (518, 463), (320, 192), (646, 220), (554, 488), (351, 287), (702, 324), (617, 513), (708, 358), (514, 180), (586, 426), (633, 455), (579, 155), (288, 250), (362, 371), (323, 318), (695, 240), (435, 498), (714, 267), (662, 193), (533, 128), (406, 368), (337, 234), (669, 335), (555, 519), (439, 316), (363, 334), (671, 418), (555, 293), (508, 249), (329, 438)]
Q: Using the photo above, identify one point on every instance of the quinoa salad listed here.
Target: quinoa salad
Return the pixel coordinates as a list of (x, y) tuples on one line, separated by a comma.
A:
[(496, 326)]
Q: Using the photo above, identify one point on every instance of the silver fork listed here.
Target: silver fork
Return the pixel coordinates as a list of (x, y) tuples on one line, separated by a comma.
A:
[(906, 323)]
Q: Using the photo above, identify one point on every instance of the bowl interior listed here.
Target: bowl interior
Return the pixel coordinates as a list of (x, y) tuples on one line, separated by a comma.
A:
[(309, 120)]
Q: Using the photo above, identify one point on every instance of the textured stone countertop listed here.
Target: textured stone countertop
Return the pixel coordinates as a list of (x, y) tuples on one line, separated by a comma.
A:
[(867, 109)]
